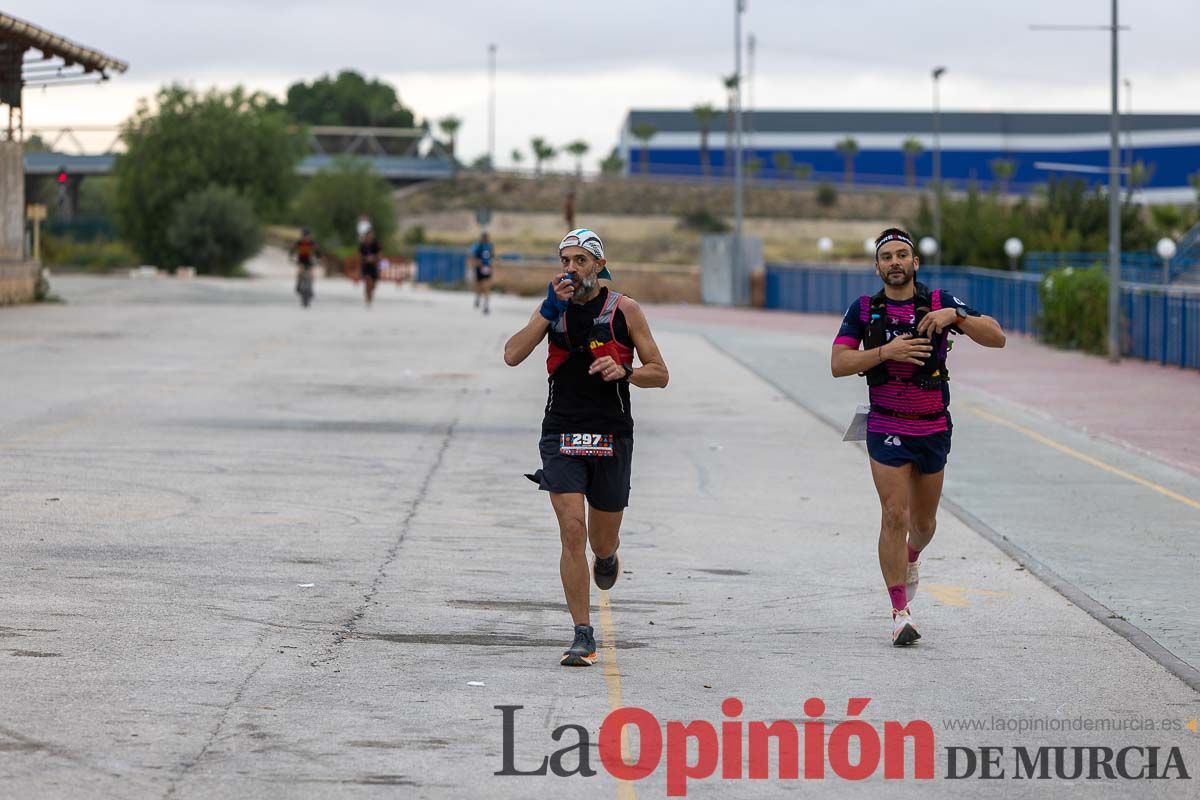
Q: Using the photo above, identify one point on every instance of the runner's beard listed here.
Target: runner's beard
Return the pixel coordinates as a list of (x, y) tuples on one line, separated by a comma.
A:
[(895, 280)]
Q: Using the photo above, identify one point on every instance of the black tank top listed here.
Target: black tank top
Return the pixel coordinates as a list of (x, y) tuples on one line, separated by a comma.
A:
[(581, 403)]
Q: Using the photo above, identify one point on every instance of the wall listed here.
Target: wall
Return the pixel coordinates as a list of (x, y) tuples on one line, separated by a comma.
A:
[(12, 202)]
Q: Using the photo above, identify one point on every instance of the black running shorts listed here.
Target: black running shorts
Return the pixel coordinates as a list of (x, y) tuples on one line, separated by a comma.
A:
[(603, 479)]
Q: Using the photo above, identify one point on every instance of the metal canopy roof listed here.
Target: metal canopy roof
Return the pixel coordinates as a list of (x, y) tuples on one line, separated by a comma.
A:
[(62, 61)]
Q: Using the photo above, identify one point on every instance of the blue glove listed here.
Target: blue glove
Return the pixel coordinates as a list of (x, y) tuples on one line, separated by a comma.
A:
[(552, 308)]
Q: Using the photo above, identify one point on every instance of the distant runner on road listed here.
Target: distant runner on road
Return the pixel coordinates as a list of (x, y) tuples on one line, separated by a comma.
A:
[(903, 332), (368, 253), (305, 251), (587, 431), (482, 253)]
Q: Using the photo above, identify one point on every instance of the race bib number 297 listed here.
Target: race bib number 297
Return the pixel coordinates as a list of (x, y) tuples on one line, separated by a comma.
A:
[(585, 444)]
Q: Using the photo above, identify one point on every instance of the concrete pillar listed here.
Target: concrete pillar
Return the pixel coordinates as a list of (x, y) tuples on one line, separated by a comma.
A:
[(12, 202)]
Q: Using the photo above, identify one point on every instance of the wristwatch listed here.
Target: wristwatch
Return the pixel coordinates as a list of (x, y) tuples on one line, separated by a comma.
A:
[(961, 312), (628, 371)]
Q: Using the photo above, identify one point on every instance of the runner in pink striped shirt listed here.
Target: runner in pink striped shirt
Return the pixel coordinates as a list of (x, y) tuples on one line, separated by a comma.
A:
[(904, 331)]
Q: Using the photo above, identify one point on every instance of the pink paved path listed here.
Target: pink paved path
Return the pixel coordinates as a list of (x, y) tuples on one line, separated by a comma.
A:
[(1144, 406)]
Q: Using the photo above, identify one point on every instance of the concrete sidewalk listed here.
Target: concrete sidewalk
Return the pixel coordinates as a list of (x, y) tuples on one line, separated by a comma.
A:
[(257, 551)]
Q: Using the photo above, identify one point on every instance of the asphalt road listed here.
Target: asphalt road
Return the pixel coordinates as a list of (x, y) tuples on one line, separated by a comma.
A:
[(255, 551)]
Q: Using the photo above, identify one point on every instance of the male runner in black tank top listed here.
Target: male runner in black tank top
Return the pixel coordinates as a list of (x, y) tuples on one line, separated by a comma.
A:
[(587, 431)]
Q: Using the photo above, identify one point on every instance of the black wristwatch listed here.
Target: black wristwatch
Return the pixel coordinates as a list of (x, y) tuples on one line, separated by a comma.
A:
[(628, 371), (961, 312)]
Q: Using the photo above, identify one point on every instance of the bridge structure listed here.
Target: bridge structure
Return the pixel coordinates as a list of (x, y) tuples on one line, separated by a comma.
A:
[(400, 155)]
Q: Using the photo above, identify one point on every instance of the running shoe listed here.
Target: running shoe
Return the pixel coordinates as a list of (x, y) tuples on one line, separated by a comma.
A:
[(904, 632), (582, 652), (912, 579), (605, 571)]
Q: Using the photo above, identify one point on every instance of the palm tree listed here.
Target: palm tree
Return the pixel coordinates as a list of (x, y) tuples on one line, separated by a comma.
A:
[(705, 114), (612, 164), (578, 148), (848, 147), (730, 82), (517, 157), (912, 148), (644, 132), (542, 153), (783, 163), (1139, 175), (803, 171), (1002, 171), (450, 126)]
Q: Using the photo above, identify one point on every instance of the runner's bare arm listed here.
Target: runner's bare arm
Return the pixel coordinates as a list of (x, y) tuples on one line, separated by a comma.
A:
[(652, 374), (983, 330), (846, 360), (523, 342)]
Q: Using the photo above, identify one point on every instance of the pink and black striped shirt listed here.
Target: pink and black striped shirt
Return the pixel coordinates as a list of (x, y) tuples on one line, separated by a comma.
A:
[(899, 394)]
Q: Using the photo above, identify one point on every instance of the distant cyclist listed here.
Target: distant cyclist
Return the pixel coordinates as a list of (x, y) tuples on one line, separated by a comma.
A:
[(305, 251), (903, 331), (482, 253)]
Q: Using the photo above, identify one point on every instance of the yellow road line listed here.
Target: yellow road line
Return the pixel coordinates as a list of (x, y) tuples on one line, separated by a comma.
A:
[(612, 679), (1095, 462)]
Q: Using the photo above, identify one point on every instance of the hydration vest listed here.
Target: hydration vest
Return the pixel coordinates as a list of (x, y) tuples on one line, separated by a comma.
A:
[(601, 340), (874, 314)]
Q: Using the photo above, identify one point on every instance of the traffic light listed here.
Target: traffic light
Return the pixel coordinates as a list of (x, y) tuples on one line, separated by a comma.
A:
[(61, 178)]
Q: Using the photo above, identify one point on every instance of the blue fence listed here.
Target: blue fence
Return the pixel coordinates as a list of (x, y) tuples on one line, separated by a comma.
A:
[(1136, 266), (1160, 324), (441, 265)]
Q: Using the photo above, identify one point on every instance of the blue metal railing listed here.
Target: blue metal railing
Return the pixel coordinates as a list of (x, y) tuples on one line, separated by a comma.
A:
[(441, 264), (1160, 324), (1136, 266)]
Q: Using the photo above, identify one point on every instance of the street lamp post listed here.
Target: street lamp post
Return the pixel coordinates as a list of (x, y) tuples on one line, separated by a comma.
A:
[(491, 106), (938, 72), (1013, 248), (1166, 251), (739, 6)]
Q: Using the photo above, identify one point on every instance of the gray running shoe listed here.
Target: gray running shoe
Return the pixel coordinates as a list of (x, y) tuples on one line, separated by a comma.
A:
[(582, 652)]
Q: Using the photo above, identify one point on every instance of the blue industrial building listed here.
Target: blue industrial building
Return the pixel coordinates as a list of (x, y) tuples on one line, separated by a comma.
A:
[(1038, 145)]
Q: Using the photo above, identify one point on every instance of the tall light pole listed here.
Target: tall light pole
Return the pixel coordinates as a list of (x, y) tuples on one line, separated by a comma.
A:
[(751, 46), (1114, 180), (1114, 208), (938, 72), (1128, 124), (491, 106), (739, 6)]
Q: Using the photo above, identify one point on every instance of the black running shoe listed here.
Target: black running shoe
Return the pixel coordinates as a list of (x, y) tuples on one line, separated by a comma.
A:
[(582, 652), (606, 570)]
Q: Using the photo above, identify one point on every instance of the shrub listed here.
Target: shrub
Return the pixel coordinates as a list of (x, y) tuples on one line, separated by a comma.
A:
[(213, 230), (826, 195), (98, 255), (331, 201), (704, 221), (1075, 309)]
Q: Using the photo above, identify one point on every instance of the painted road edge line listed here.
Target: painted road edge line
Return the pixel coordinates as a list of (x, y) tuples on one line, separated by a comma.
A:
[(1094, 608), (612, 680)]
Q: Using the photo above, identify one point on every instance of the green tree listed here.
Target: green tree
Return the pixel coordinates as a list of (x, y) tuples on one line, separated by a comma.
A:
[(348, 99), (1140, 174), (542, 152), (848, 148), (753, 168), (214, 230), (1194, 180), (912, 148), (331, 201), (803, 171), (450, 126), (186, 141), (35, 144), (1003, 170), (705, 114), (644, 132), (612, 164), (783, 163), (517, 157), (578, 149)]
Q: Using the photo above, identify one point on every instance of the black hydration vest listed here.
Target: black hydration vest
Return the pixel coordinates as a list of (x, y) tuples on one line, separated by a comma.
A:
[(930, 375)]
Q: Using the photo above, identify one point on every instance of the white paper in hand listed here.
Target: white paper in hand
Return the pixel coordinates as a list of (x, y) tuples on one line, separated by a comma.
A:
[(857, 431)]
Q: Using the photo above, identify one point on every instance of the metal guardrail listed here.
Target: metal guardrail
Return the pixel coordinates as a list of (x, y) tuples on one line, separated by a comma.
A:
[(1161, 323)]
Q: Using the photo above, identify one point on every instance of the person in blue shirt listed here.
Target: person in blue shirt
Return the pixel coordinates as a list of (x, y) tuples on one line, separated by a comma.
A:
[(482, 253)]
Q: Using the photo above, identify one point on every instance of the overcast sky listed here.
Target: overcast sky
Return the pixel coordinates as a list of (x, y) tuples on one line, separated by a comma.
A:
[(570, 70)]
